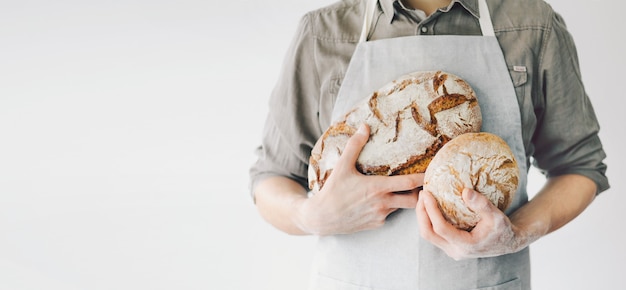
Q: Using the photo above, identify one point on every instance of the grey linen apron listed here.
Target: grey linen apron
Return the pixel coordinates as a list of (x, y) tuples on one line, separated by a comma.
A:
[(394, 256)]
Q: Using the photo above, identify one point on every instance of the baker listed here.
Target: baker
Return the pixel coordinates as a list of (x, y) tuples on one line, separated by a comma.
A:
[(522, 63)]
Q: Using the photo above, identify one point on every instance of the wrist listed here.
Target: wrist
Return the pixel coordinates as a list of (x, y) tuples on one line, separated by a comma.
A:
[(301, 217), (527, 231)]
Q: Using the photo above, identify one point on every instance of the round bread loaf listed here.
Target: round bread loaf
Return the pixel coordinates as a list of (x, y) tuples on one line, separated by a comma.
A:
[(481, 161), (410, 119)]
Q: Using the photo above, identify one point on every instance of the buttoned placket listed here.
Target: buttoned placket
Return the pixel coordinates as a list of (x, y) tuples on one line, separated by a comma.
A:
[(425, 27)]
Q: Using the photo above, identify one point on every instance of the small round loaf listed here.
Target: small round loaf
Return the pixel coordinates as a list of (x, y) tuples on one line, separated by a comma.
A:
[(481, 161), (410, 119)]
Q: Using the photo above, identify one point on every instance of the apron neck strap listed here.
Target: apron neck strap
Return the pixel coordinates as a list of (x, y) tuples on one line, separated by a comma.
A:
[(486, 26), (485, 19), (370, 10)]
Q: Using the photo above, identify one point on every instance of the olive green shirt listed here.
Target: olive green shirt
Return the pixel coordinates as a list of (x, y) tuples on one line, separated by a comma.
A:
[(559, 126)]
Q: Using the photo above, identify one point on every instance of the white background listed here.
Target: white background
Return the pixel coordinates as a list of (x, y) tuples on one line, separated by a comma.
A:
[(127, 129)]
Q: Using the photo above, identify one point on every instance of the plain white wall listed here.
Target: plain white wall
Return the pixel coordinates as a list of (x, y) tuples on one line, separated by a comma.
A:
[(127, 128)]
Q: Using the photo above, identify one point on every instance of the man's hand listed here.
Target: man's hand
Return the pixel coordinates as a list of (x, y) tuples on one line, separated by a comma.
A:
[(350, 201), (494, 234)]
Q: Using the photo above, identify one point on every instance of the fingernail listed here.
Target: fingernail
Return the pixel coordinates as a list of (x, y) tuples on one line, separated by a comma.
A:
[(469, 194), (361, 129)]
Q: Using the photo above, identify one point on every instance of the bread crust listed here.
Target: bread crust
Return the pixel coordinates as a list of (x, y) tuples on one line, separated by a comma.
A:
[(410, 119), (481, 161)]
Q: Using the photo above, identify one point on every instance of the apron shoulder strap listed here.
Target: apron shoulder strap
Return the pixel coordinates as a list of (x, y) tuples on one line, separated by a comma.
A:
[(485, 19), (370, 10)]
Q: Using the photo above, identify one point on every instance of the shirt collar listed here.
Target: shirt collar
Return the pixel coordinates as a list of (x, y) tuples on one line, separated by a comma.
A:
[(470, 5)]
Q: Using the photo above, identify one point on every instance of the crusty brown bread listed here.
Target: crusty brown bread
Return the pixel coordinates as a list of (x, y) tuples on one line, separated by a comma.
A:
[(481, 161), (410, 119)]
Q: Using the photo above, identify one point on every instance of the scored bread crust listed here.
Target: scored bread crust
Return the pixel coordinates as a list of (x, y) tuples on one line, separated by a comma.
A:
[(410, 119), (481, 161)]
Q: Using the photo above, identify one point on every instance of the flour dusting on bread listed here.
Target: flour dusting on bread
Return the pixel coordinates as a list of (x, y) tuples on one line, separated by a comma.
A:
[(410, 119), (481, 161)]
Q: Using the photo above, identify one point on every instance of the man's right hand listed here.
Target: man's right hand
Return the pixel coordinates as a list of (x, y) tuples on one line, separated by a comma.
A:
[(351, 201)]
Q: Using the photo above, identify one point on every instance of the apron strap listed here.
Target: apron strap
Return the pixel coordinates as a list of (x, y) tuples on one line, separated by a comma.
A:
[(486, 26), (485, 19), (367, 19)]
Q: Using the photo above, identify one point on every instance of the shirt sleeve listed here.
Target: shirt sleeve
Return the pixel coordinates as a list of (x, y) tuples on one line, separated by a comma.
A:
[(291, 126), (566, 140)]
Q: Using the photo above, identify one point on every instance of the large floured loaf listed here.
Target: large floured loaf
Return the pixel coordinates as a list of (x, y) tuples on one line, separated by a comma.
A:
[(481, 161), (410, 119)]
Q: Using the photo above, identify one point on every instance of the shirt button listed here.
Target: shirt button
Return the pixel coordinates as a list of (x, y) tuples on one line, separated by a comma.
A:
[(424, 29)]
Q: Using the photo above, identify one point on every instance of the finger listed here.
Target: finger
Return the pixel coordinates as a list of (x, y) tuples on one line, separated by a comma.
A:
[(402, 200), (440, 225), (425, 225), (398, 183), (390, 211), (355, 144), (478, 203), (487, 212)]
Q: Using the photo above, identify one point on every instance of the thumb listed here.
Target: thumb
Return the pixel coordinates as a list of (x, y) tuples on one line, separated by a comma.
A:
[(355, 144), (477, 202)]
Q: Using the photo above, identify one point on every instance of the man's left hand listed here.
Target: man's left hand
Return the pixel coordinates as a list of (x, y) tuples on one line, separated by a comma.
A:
[(494, 234)]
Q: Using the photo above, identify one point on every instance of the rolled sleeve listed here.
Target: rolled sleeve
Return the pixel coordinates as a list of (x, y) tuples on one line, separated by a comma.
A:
[(291, 127), (567, 139)]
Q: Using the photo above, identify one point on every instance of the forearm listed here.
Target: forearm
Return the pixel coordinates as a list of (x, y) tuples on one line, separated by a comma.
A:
[(278, 200), (561, 200)]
